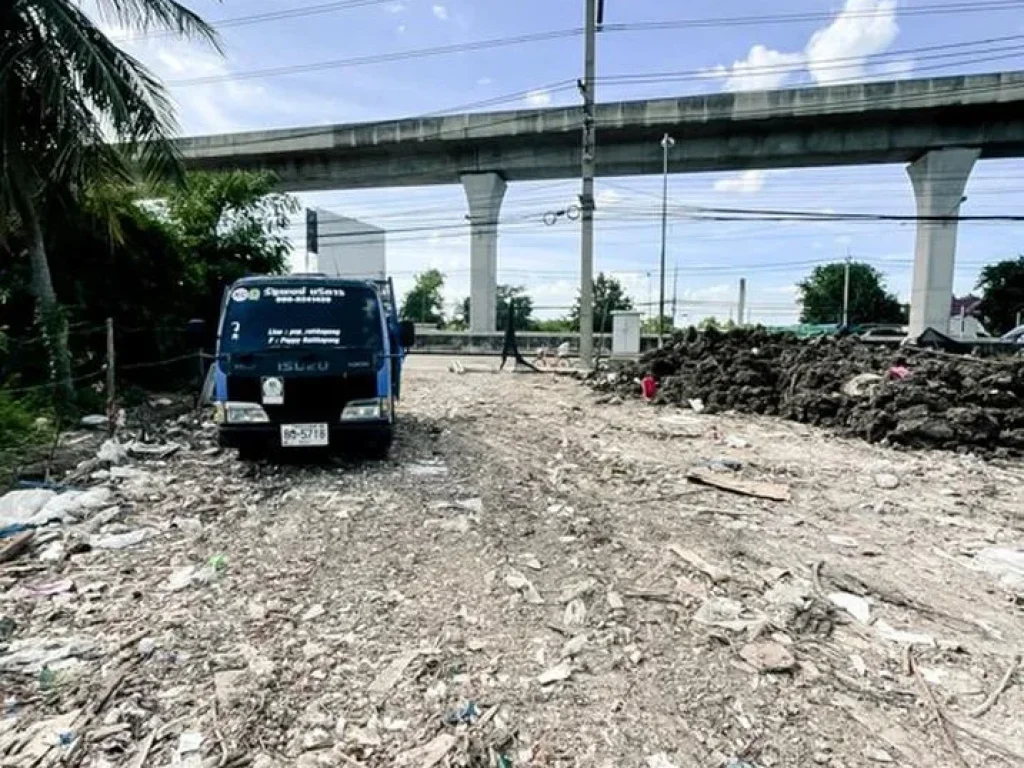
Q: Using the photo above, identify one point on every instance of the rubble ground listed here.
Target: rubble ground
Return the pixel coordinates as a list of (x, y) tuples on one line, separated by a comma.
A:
[(532, 580)]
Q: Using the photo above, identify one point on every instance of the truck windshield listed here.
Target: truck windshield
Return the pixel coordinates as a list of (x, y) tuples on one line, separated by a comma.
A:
[(290, 316)]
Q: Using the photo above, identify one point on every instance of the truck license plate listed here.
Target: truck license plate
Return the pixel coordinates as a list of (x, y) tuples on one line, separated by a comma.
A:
[(304, 435)]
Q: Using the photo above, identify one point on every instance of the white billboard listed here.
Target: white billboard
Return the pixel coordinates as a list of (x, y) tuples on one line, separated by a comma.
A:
[(350, 248)]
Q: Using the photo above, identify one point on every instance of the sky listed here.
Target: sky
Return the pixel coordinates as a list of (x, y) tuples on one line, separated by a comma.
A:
[(727, 46)]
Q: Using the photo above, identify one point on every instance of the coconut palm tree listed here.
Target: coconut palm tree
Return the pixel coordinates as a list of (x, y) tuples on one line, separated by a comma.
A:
[(75, 108)]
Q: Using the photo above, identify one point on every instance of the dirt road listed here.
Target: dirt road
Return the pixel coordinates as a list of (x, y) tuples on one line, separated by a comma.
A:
[(407, 613)]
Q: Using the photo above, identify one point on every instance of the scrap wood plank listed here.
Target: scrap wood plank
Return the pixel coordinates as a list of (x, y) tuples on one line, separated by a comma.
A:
[(755, 488), (16, 546), (698, 563)]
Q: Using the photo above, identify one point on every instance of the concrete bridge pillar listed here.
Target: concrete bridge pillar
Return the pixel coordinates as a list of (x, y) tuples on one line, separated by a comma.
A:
[(484, 192), (939, 178)]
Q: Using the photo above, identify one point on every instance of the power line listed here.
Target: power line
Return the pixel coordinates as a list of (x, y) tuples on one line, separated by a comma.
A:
[(262, 18), (379, 58), (980, 6), (500, 42)]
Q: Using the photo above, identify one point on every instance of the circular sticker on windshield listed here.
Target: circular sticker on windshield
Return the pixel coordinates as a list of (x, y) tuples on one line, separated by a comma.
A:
[(254, 294), (240, 294)]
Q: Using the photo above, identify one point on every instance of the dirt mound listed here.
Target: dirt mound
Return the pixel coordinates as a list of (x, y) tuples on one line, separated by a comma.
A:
[(949, 402)]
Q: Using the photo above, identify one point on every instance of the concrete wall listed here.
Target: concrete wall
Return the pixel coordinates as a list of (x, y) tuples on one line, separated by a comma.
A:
[(350, 248)]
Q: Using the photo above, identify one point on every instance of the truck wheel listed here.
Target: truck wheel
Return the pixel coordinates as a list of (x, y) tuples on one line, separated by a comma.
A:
[(250, 452), (379, 447)]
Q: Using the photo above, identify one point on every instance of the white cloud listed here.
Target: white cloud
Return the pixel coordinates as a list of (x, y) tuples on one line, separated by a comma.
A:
[(538, 98), (607, 198), (745, 183), (441, 12), (763, 69), (863, 28), (395, 8), (485, 81), (837, 53), (400, 29)]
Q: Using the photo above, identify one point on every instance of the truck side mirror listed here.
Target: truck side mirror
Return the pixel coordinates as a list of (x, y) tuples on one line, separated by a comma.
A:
[(407, 333), (195, 333)]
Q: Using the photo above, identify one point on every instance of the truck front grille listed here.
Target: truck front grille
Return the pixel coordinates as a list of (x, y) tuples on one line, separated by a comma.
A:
[(306, 399)]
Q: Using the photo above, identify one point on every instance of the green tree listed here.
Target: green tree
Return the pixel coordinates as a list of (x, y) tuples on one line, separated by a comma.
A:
[(151, 267), (229, 225), (821, 296), (650, 325), (1002, 294), (75, 108), (506, 293), (556, 325), (609, 296), (424, 302)]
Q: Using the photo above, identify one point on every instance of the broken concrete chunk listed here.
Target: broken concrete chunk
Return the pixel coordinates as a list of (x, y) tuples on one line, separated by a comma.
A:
[(768, 656), (726, 613), (229, 686), (392, 673), (520, 583), (887, 481), (430, 754), (659, 760), (556, 674), (886, 631), (575, 614), (1006, 564), (855, 605), (577, 590), (121, 540), (574, 646)]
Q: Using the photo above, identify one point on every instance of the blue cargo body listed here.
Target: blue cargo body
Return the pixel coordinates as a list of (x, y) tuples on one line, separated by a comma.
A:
[(308, 361)]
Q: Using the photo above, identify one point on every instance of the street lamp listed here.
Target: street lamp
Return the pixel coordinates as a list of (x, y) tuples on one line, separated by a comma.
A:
[(667, 142)]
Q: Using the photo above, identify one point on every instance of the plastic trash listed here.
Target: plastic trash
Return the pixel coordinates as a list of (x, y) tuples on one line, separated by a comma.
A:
[(467, 714)]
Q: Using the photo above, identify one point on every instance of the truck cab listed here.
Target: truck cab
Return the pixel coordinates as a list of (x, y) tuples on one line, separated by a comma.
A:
[(308, 361)]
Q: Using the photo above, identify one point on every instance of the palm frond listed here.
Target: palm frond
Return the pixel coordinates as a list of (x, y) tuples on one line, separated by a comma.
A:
[(146, 15)]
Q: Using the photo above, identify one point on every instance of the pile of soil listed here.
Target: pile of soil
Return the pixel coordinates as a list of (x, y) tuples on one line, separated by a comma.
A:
[(951, 402)]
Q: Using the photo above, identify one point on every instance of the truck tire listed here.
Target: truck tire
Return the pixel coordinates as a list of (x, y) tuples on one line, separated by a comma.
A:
[(380, 446), (250, 451)]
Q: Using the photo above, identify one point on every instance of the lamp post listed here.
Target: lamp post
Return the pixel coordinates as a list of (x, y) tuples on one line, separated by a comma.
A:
[(667, 142)]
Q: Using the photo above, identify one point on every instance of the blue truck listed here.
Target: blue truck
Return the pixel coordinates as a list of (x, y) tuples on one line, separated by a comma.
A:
[(308, 361)]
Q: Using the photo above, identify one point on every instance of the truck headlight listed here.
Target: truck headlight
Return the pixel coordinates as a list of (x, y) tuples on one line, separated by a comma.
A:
[(245, 413), (361, 410)]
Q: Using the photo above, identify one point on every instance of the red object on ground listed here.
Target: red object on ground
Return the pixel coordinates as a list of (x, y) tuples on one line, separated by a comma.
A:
[(898, 372), (649, 386)]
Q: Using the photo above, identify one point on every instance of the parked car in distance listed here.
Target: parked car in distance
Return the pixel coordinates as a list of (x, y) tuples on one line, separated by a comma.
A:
[(1016, 336), (891, 332)]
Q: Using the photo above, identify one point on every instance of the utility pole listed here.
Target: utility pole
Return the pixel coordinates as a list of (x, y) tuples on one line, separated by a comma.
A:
[(594, 17), (846, 291), (675, 292), (111, 380), (667, 142), (742, 304)]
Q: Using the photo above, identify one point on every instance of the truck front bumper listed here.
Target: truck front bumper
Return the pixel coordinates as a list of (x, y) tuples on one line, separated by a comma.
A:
[(356, 434)]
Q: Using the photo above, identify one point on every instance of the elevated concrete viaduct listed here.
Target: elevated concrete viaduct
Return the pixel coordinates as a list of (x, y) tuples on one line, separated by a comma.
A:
[(939, 126)]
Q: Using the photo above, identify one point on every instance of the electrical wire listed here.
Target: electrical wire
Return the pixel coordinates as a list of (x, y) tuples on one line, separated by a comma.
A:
[(305, 11), (499, 42)]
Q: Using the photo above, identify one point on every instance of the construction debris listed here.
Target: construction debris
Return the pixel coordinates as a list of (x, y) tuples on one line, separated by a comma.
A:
[(949, 402), (300, 613)]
